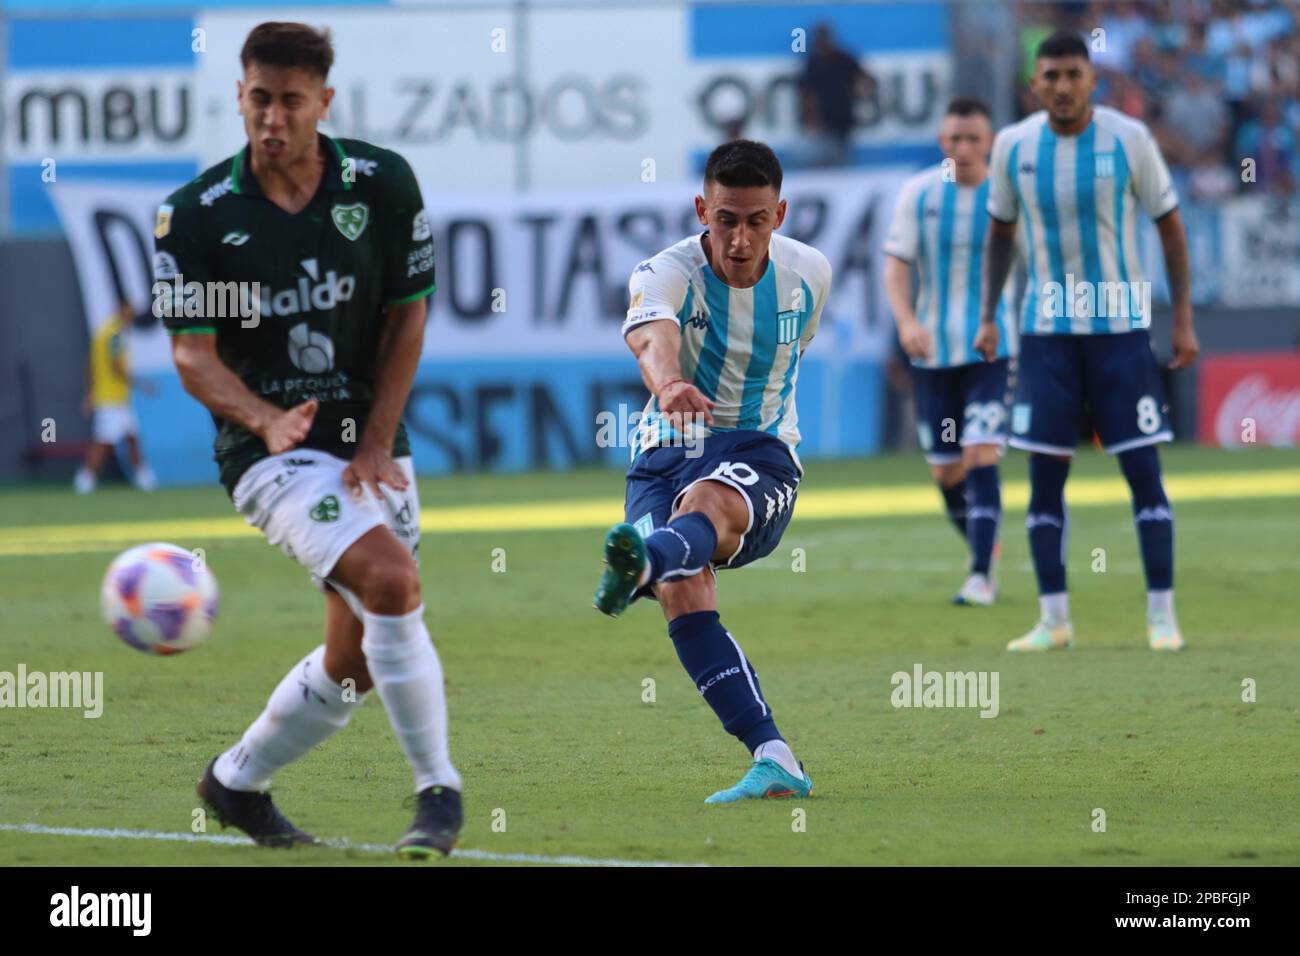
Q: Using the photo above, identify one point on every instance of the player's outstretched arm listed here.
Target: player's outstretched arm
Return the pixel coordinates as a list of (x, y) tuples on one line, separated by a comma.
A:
[(912, 335), (396, 359), (212, 382), (656, 346), (1173, 238), (999, 253)]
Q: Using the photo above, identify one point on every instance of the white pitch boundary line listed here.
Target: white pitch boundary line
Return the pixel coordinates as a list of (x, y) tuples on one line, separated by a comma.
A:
[(107, 834)]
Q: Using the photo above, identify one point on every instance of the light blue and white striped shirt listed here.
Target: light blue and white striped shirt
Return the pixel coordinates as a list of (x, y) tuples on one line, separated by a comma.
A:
[(1079, 197), (740, 347), (940, 227)]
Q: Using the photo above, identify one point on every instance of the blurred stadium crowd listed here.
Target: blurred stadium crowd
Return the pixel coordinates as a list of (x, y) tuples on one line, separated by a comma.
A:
[(1217, 81)]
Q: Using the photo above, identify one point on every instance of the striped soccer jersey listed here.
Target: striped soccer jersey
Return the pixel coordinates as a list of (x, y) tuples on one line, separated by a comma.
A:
[(940, 227), (1079, 198), (740, 347)]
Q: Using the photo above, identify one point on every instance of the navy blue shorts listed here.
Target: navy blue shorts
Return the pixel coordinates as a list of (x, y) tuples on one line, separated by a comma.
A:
[(756, 464), (960, 405), (1113, 377)]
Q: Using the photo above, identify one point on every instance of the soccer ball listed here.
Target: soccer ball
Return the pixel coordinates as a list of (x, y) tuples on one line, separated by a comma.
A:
[(159, 598)]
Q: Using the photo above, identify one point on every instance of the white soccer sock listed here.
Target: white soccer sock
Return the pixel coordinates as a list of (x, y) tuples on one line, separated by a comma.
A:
[(779, 751), (304, 710), (84, 482), (1055, 608), (408, 677), (1160, 604)]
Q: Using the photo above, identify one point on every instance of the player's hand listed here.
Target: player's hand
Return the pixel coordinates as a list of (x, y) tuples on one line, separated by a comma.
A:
[(1184, 345), (916, 340), (680, 399), (286, 429), (986, 341), (372, 467)]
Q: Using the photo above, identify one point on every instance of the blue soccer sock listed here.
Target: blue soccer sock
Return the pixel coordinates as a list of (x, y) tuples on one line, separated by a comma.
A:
[(723, 676), (954, 500), (983, 515), (1152, 515), (682, 547), (1046, 521)]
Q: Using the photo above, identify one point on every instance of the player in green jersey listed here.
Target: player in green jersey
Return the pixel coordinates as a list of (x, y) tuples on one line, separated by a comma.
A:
[(294, 278)]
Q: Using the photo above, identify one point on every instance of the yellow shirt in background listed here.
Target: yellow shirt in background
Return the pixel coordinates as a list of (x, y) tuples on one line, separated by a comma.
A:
[(107, 387)]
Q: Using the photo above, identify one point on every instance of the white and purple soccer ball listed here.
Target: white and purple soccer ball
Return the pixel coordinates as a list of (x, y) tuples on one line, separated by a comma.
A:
[(159, 598)]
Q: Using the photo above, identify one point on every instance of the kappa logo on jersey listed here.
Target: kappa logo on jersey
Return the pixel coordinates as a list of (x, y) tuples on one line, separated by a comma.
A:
[(787, 327), (162, 225), (698, 321), (312, 352), (327, 509), (784, 499), (1026, 167), (213, 193), (351, 219), (420, 227), (646, 267), (236, 238)]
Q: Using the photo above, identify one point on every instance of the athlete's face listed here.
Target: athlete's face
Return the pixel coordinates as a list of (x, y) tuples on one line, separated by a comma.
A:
[(281, 107), (1063, 85), (966, 141), (740, 220)]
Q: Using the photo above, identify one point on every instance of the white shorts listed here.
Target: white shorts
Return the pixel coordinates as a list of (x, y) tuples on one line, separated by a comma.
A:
[(299, 501), (112, 423)]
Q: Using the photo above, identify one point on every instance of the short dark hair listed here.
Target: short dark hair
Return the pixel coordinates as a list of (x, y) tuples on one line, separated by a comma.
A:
[(1063, 44), (289, 45), (968, 106), (744, 162)]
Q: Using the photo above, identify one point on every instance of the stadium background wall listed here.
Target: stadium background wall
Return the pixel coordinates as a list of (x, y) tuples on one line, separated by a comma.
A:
[(104, 92)]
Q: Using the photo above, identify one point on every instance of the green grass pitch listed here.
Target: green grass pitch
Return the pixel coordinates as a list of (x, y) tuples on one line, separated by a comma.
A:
[(563, 757)]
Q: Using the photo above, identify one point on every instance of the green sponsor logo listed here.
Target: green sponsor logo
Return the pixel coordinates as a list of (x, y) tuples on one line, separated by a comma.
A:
[(352, 219), (326, 510)]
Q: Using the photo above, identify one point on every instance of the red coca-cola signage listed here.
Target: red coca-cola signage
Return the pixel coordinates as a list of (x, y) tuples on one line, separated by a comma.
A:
[(1250, 398)]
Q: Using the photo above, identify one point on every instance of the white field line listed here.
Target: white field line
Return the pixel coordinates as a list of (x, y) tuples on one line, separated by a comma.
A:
[(107, 834)]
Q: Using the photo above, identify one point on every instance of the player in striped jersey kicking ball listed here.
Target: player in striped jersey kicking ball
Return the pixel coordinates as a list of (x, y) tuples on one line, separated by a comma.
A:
[(718, 323), (939, 227), (1076, 176)]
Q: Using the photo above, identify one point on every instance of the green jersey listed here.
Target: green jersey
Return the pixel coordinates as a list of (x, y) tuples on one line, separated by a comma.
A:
[(297, 302)]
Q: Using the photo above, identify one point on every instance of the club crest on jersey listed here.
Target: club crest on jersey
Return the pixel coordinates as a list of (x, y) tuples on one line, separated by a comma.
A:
[(1105, 165), (351, 219), (787, 327)]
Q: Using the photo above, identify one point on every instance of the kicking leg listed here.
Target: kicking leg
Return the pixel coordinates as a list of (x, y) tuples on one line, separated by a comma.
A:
[(712, 656)]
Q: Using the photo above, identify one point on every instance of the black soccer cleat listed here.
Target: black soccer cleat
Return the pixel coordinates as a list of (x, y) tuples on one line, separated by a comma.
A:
[(436, 827), (250, 811)]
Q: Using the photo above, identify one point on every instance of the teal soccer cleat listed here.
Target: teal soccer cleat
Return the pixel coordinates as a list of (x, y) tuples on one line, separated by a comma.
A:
[(625, 561), (766, 780)]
